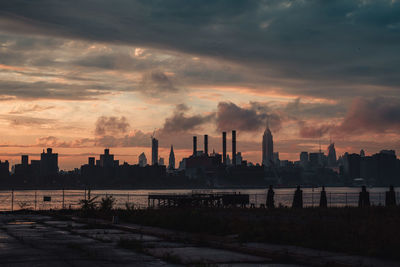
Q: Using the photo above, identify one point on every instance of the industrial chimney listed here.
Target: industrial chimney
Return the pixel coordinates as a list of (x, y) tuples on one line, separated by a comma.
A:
[(194, 145), (206, 144), (234, 148), (224, 147)]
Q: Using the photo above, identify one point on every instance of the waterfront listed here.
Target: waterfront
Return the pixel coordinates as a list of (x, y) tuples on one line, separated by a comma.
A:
[(34, 199)]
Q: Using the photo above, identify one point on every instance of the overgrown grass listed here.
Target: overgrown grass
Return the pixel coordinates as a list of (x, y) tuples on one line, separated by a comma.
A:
[(373, 231)]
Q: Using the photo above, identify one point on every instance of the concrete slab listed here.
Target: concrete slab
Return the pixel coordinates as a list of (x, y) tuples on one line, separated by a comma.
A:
[(193, 255)]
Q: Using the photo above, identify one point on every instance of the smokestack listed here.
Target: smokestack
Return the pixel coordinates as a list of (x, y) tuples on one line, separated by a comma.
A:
[(194, 145), (206, 144), (234, 148), (224, 147)]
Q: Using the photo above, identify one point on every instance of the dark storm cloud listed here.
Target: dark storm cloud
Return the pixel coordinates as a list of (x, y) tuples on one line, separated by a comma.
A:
[(181, 122), (247, 119), (377, 115), (111, 126), (313, 131), (319, 41), (301, 109), (364, 115), (157, 82)]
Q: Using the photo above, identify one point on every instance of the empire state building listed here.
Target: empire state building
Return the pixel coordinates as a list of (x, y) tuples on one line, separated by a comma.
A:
[(267, 148)]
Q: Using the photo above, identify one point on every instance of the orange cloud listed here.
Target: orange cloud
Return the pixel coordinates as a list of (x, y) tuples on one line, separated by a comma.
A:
[(7, 67)]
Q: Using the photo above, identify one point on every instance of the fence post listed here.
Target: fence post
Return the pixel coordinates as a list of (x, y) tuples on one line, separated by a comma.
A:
[(312, 199), (255, 201), (379, 198), (35, 198), (12, 199)]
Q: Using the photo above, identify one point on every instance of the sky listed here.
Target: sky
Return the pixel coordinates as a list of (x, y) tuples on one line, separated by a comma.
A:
[(80, 76)]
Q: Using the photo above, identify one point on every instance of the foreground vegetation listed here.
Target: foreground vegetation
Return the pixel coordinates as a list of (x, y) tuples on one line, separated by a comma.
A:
[(372, 231)]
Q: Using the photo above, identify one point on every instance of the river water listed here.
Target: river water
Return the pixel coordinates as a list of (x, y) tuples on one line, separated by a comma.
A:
[(35, 199)]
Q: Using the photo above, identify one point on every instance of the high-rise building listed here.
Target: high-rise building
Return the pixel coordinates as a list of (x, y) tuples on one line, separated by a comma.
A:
[(267, 148), (234, 147), (142, 160), (25, 160), (239, 159), (224, 148), (48, 163), (154, 151), (206, 144), (91, 161), (107, 159), (171, 164), (194, 145), (362, 153), (276, 158), (4, 169), (332, 155), (304, 159), (161, 161)]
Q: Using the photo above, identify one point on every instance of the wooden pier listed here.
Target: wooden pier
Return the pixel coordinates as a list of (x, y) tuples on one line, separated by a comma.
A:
[(210, 200)]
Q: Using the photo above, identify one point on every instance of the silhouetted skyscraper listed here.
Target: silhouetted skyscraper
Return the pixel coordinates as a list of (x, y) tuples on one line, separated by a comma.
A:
[(91, 161), (154, 151), (171, 164), (142, 160), (48, 163), (194, 145), (25, 160), (206, 144), (239, 158), (331, 155), (267, 148), (234, 147), (107, 159), (224, 148), (304, 159), (161, 161), (362, 153)]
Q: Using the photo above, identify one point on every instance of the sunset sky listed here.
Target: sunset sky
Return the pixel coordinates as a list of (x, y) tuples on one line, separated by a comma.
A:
[(79, 76)]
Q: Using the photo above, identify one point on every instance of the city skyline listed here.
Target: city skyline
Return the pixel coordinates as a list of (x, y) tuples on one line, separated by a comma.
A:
[(216, 146), (269, 156), (79, 79)]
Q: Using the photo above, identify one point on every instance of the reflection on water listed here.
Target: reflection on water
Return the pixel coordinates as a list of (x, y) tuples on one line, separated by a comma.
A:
[(31, 199)]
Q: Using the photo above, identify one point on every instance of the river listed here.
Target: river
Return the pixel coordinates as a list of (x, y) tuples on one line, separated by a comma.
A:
[(35, 199)]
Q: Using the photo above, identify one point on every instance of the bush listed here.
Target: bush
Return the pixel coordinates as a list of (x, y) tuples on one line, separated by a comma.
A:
[(107, 203)]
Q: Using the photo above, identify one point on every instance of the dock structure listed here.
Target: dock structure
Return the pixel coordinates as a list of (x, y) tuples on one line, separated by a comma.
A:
[(204, 200)]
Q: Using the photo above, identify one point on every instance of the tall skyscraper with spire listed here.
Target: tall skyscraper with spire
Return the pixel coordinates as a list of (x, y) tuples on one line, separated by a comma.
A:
[(171, 164), (267, 147)]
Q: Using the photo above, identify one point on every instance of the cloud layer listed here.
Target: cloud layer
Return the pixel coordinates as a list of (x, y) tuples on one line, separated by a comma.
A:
[(303, 40)]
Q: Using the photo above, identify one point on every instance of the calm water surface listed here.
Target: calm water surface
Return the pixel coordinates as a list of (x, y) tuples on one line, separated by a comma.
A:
[(337, 196)]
